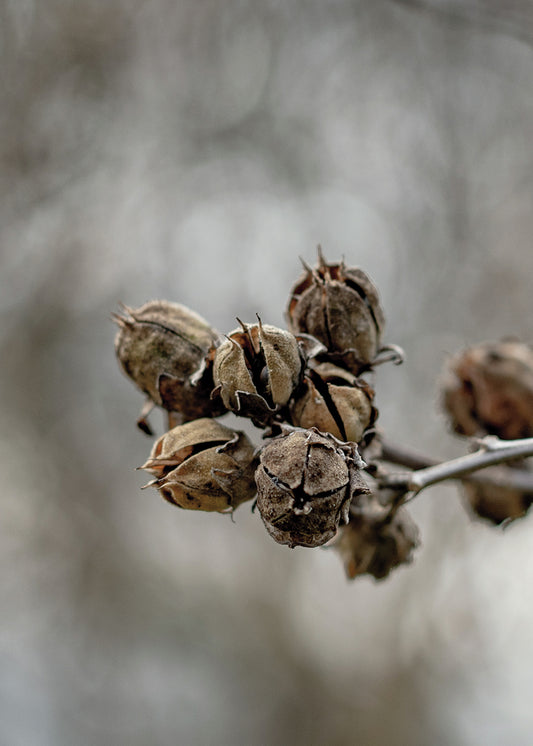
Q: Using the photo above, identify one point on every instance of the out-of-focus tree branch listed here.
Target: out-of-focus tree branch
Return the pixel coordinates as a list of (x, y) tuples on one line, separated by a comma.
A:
[(514, 18)]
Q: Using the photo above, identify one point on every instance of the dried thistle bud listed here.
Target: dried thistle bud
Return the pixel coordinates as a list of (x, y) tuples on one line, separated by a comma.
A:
[(305, 483), (203, 465), (495, 503), (161, 346), (339, 306), (489, 389), (373, 542), (256, 370), (334, 401)]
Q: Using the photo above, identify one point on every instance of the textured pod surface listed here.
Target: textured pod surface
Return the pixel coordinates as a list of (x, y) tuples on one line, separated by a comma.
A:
[(203, 465), (334, 401), (370, 545), (339, 306), (489, 389), (495, 503), (305, 483), (256, 370), (160, 346)]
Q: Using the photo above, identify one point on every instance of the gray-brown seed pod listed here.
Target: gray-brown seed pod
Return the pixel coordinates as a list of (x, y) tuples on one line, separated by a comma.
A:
[(372, 545), (495, 503), (339, 306), (488, 388), (256, 370), (305, 483), (161, 346), (334, 401), (203, 465)]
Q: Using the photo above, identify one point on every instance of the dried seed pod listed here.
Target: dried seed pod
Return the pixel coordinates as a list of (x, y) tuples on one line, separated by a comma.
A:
[(256, 370), (339, 306), (305, 483), (203, 465), (489, 389), (495, 503), (373, 543), (334, 401), (165, 349)]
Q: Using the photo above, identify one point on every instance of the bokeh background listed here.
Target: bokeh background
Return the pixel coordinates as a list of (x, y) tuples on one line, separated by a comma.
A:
[(192, 151)]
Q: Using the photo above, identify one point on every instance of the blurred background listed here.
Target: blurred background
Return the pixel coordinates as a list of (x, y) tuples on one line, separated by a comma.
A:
[(192, 151)]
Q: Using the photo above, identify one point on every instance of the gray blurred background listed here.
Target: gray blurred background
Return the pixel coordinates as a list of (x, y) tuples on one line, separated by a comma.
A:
[(192, 151)]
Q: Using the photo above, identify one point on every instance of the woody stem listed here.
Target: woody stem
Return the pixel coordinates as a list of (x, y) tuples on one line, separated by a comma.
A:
[(427, 471)]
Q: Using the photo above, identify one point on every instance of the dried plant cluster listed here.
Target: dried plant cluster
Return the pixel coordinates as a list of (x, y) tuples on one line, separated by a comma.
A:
[(320, 475)]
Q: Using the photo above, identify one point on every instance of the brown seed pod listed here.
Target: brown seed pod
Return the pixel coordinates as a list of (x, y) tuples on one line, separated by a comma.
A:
[(203, 465), (305, 483), (339, 306), (165, 349), (256, 370), (334, 401), (488, 388), (495, 503), (374, 544)]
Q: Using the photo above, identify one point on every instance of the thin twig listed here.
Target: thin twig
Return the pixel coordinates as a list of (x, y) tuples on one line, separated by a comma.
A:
[(428, 471)]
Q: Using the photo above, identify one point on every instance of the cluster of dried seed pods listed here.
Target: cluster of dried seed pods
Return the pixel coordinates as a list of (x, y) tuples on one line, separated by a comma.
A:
[(304, 387)]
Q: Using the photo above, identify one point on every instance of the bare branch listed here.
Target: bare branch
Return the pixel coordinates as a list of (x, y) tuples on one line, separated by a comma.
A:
[(428, 471)]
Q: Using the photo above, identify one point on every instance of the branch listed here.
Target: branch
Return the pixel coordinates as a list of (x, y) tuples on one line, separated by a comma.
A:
[(428, 471)]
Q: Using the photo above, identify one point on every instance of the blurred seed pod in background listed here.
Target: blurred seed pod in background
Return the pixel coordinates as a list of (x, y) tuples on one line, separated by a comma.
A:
[(373, 543), (488, 388), (496, 503)]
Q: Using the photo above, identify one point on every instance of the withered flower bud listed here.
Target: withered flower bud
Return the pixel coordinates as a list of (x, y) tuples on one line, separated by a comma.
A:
[(373, 543), (339, 306), (203, 465), (305, 483), (161, 346), (496, 503), (334, 401), (489, 389), (256, 370)]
